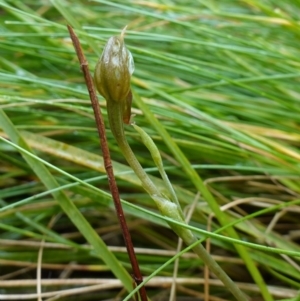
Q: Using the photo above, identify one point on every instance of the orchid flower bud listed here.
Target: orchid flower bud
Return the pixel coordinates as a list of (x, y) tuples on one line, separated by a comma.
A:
[(113, 72)]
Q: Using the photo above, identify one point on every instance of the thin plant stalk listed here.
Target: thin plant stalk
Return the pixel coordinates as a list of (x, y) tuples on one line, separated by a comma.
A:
[(107, 162), (166, 207), (112, 78)]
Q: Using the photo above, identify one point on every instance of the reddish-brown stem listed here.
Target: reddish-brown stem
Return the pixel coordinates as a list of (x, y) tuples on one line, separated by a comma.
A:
[(138, 278)]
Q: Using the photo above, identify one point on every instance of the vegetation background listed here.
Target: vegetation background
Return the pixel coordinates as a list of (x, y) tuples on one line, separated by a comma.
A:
[(222, 77)]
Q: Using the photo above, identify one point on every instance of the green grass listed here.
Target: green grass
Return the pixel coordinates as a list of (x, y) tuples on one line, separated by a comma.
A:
[(217, 87)]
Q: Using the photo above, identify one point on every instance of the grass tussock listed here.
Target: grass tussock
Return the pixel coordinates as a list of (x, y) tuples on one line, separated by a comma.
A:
[(221, 78)]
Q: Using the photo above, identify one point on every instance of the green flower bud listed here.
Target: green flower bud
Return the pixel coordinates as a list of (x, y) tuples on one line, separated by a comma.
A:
[(113, 72)]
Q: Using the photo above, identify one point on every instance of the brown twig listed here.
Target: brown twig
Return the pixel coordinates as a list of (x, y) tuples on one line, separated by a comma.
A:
[(138, 278)]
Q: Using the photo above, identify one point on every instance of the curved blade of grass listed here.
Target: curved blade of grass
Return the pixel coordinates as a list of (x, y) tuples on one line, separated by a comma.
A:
[(80, 156), (62, 7), (159, 219), (93, 161), (69, 208)]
